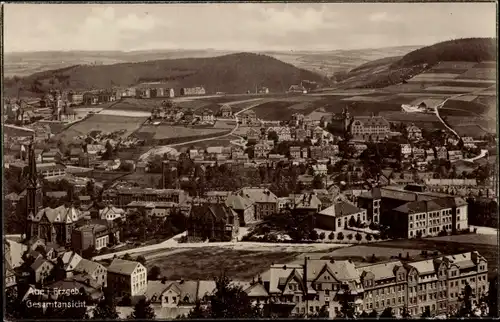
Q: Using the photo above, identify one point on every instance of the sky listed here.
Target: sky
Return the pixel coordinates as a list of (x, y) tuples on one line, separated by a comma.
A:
[(241, 26)]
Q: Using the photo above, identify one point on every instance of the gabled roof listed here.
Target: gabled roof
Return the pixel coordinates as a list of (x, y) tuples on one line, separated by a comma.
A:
[(39, 262), (122, 267), (70, 260), (87, 266), (341, 208), (381, 271), (424, 267), (61, 214), (258, 194), (238, 202), (219, 211), (256, 290), (371, 121)]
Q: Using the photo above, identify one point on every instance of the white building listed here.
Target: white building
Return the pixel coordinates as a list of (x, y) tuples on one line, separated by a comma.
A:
[(128, 277)]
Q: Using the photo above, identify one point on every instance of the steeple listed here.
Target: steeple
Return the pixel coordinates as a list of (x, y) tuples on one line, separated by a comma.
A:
[(33, 190)]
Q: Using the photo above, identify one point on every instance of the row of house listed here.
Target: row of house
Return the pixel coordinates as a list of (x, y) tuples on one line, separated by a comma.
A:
[(433, 284), (421, 154)]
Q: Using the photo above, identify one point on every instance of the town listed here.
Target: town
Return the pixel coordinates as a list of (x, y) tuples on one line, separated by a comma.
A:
[(161, 201)]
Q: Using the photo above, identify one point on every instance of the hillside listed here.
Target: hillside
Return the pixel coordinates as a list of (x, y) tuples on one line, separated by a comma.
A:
[(233, 73), (395, 70)]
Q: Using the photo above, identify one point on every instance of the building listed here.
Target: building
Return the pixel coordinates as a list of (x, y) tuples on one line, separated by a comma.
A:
[(41, 269), (366, 128), (215, 222), (207, 116), (93, 270), (414, 133), (54, 224), (261, 150), (199, 90), (429, 155), (434, 284), (51, 170), (51, 156), (320, 169), (75, 99), (295, 152), (143, 93), (412, 213), (225, 111), (405, 150), (300, 135), (455, 155), (283, 133), (90, 98), (441, 153), (297, 89), (248, 118), (253, 134), (338, 216), (90, 236), (243, 206), (128, 277), (121, 197), (418, 153), (217, 196), (265, 202)]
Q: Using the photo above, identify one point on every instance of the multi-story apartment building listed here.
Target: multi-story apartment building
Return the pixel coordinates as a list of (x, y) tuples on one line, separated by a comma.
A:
[(414, 133), (413, 213), (123, 196), (433, 284), (295, 152), (265, 202), (128, 277), (261, 150)]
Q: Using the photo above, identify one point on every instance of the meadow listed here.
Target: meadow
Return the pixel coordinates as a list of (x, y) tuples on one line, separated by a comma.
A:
[(170, 131)]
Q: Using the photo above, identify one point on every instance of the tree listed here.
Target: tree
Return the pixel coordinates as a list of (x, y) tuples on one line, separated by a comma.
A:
[(347, 309), (322, 236), (331, 236), (373, 314), (313, 235), (352, 222), (368, 237), (317, 182), (350, 237), (359, 237), (143, 311), (141, 259), (340, 236), (466, 307), (272, 135), (198, 312), (154, 273), (387, 313), (106, 307), (405, 314)]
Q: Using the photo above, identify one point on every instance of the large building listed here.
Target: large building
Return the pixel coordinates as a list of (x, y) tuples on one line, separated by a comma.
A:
[(215, 222), (199, 90), (411, 213), (366, 128), (434, 284), (123, 196), (128, 277)]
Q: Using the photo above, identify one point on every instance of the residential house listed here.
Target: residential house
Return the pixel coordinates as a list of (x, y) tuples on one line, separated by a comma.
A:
[(248, 118), (51, 170), (320, 169), (217, 196), (305, 203), (90, 98), (121, 197), (225, 111), (304, 152), (297, 89), (212, 221), (441, 153), (66, 264), (429, 155), (265, 202), (414, 133), (283, 133), (199, 90), (261, 150), (405, 150), (90, 235), (295, 152), (338, 216), (253, 135), (143, 93), (366, 128), (93, 270), (207, 116), (243, 206), (300, 134), (51, 156), (418, 153), (454, 155), (469, 142), (128, 277), (315, 152), (41, 269)]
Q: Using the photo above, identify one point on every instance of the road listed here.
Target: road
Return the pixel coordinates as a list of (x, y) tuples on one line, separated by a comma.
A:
[(171, 245), (156, 149)]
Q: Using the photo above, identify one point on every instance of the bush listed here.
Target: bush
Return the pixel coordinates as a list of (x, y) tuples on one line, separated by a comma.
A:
[(373, 226), (340, 236), (376, 237), (331, 236), (322, 236), (184, 239), (359, 237)]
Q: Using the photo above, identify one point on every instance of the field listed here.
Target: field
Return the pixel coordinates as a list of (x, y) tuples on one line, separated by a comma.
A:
[(360, 253), (169, 131), (146, 180), (479, 73), (205, 263), (105, 123), (208, 143)]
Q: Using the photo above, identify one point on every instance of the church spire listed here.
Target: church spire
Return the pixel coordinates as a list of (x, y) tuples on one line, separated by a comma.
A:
[(33, 190)]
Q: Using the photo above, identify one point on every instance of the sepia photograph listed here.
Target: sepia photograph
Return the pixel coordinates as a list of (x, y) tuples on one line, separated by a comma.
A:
[(259, 160)]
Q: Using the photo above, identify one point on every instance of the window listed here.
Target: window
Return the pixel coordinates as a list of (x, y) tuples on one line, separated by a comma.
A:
[(327, 292)]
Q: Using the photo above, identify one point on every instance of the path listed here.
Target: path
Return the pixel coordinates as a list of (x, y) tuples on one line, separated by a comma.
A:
[(152, 151)]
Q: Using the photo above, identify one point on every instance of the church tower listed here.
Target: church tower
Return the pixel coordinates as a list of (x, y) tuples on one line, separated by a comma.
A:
[(346, 119), (33, 191)]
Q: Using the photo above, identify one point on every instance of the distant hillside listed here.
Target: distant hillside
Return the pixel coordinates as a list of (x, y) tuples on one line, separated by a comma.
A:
[(394, 70), (233, 73)]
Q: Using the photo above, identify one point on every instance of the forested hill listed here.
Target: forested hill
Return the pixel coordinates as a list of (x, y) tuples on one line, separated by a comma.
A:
[(233, 73), (394, 70), (467, 49)]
